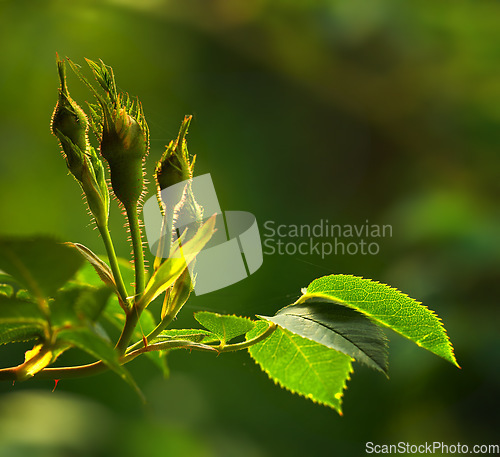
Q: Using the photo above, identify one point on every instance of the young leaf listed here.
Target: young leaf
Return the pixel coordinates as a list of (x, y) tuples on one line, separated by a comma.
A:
[(386, 306), (38, 358), (87, 274), (162, 279), (337, 327), (40, 264), (100, 267), (105, 78), (302, 366), (35, 360), (224, 327), (187, 334), (172, 268)]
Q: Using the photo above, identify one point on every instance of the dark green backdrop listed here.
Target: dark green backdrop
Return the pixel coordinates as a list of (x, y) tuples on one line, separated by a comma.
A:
[(384, 111)]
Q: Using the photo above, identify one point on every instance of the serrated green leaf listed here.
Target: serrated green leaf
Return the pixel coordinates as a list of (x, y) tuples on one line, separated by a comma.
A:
[(78, 303), (14, 310), (386, 306), (90, 342), (225, 327), (338, 327), (187, 334), (20, 320), (302, 366), (15, 333), (41, 264)]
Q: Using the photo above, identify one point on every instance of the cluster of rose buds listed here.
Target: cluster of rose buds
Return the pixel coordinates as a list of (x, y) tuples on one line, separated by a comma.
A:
[(121, 129)]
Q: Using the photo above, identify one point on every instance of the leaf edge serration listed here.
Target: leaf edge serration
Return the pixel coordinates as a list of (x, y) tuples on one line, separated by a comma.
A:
[(452, 359), (339, 396)]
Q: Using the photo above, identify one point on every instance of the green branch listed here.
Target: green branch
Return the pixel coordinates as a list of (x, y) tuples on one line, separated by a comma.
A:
[(113, 261), (247, 344), (11, 374), (136, 235), (164, 323), (131, 320), (174, 344), (133, 314)]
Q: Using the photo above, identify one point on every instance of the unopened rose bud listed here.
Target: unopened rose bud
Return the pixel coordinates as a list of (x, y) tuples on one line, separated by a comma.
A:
[(70, 125), (174, 165), (124, 145)]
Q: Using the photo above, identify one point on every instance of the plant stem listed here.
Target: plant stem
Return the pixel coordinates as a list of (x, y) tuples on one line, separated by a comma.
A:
[(179, 344), (10, 374), (136, 235), (247, 344), (164, 323), (80, 371), (133, 314), (113, 261), (131, 320)]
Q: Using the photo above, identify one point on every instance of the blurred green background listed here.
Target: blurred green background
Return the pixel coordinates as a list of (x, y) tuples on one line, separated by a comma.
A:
[(350, 111)]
